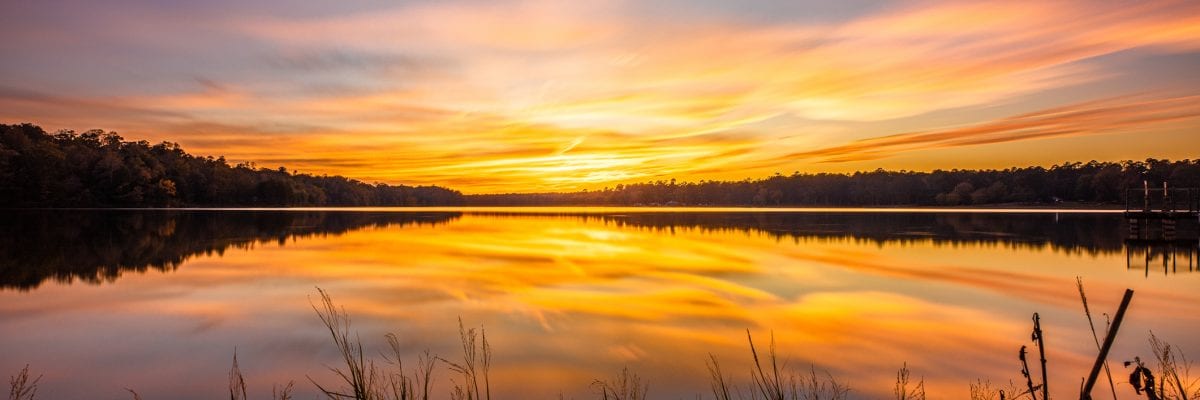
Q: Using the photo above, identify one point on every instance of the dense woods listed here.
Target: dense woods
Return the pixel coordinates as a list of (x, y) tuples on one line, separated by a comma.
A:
[(101, 169), (1091, 182)]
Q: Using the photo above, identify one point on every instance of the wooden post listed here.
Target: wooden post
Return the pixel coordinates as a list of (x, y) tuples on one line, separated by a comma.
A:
[(1145, 195), (1086, 394), (1194, 194), (1167, 206)]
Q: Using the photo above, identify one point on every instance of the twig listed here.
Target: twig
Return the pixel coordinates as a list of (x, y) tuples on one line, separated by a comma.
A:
[(1108, 341), (1096, 338), (1040, 339), (1025, 373)]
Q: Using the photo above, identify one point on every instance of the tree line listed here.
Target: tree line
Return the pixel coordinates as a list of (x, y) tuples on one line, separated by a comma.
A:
[(1090, 182), (102, 169)]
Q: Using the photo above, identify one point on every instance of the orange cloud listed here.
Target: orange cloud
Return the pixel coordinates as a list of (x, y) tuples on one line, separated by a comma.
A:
[(537, 96), (1089, 118), (600, 68)]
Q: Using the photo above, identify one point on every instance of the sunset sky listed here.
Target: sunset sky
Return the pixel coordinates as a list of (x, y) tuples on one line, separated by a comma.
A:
[(526, 96)]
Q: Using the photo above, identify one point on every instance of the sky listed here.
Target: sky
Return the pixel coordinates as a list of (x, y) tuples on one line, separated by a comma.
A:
[(530, 96)]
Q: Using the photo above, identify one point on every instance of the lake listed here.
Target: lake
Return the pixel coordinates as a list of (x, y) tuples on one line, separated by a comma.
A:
[(158, 300)]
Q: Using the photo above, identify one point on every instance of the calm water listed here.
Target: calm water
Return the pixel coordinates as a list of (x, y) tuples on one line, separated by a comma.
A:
[(157, 301)]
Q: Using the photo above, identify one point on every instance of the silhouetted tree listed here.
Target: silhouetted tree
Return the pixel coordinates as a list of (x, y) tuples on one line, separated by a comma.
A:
[(1091, 182), (101, 169)]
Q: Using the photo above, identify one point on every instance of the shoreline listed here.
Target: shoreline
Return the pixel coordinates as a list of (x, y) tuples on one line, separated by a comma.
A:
[(603, 209)]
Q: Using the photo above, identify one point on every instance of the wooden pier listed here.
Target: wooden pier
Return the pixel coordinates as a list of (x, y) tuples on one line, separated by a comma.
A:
[(1158, 214)]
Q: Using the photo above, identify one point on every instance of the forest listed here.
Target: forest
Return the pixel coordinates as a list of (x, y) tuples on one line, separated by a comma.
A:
[(1091, 182), (101, 169)]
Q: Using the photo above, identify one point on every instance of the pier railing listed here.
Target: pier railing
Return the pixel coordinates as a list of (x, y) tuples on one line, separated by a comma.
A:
[(1181, 200)]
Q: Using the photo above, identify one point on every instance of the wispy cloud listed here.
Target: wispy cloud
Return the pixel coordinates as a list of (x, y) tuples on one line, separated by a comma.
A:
[(602, 65), (1107, 116), (541, 95)]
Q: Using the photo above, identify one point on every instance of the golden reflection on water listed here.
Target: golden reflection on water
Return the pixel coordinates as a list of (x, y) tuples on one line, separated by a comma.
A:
[(566, 300)]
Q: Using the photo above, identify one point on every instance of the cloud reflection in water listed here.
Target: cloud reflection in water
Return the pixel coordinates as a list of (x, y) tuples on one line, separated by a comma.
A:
[(567, 299)]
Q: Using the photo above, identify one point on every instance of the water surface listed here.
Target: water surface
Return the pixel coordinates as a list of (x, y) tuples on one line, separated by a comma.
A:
[(157, 301)]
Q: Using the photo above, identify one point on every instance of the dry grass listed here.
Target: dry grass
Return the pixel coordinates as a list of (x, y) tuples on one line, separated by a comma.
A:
[(903, 381), (237, 385), (772, 380), (361, 379), (718, 381), (360, 375), (237, 382), (476, 361), (20, 387), (983, 390), (406, 387), (626, 386), (814, 387), (282, 393), (1095, 336), (769, 377), (1175, 382)]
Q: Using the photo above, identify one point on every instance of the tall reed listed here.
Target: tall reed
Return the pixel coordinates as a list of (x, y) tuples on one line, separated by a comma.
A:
[(983, 390), (361, 379), (476, 361), (404, 387), (1095, 337), (237, 382), (902, 390), (237, 385), (769, 377), (626, 386), (20, 387), (717, 379), (772, 380), (1173, 372), (360, 375)]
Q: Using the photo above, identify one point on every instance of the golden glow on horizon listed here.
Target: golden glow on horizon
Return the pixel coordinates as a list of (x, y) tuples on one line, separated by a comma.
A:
[(543, 95)]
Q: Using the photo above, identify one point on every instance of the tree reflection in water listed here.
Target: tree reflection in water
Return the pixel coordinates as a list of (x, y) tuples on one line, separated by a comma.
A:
[(96, 246)]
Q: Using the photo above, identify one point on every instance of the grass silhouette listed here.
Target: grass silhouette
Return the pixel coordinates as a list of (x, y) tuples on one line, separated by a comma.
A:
[(363, 378)]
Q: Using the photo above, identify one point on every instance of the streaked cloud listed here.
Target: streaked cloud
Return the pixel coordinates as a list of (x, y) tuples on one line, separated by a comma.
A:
[(540, 95), (1106, 116)]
